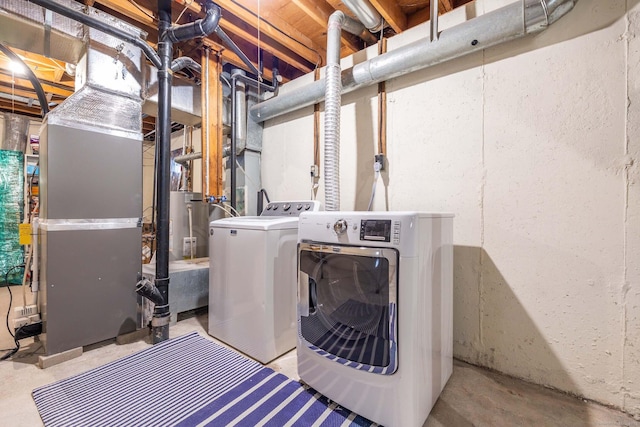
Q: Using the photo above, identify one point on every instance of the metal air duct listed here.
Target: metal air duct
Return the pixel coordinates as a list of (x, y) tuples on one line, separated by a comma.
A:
[(510, 22), (366, 13), (333, 89)]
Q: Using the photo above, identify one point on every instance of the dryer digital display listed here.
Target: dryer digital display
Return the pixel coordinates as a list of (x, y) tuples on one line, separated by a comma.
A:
[(375, 230)]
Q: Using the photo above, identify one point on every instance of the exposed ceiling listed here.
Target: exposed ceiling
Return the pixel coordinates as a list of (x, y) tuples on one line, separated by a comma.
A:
[(290, 34)]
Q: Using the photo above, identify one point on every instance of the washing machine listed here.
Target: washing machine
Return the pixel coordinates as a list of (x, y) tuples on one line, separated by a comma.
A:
[(252, 279), (375, 318)]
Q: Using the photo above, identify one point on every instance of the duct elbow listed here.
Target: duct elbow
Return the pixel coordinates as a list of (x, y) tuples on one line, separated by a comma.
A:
[(540, 14), (556, 9), (200, 28), (185, 62), (366, 13)]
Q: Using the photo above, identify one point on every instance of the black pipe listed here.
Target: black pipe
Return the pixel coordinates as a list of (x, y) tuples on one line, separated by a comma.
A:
[(273, 87), (42, 98), (185, 62), (199, 28), (234, 47), (148, 290), (160, 321), (101, 26)]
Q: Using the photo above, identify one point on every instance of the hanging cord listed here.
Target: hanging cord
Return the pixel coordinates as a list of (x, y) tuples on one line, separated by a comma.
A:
[(223, 208), (244, 172), (377, 166), (186, 6), (17, 343)]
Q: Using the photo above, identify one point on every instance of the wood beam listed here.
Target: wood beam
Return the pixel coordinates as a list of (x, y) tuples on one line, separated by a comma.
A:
[(278, 51), (303, 46), (418, 17), (423, 15), (445, 6), (211, 124), (141, 14), (18, 107), (391, 13), (26, 93), (228, 56), (26, 84), (319, 11), (230, 26)]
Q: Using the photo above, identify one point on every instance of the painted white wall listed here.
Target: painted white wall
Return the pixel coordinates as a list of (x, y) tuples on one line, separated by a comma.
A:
[(534, 146)]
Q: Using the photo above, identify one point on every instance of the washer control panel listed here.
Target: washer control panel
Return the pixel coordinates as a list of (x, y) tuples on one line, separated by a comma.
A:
[(291, 208)]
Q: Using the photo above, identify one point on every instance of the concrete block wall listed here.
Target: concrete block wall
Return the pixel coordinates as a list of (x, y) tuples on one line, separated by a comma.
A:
[(534, 146)]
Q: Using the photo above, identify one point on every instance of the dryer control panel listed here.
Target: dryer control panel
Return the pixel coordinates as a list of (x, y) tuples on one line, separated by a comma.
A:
[(291, 208)]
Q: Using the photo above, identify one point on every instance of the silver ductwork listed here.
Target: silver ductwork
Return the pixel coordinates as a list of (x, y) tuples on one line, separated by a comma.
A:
[(366, 13), (186, 98), (108, 80), (513, 21), (333, 88), (16, 132), (29, 27)]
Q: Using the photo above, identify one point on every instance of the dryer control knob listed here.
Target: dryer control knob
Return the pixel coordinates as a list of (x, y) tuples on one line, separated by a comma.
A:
[(340, 226)]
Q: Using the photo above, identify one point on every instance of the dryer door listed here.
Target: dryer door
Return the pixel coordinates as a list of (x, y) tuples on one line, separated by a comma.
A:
[(347, 304)]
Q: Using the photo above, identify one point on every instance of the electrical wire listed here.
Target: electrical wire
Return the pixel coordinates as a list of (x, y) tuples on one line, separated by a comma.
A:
[(246, 175), (227, 211), (227, 205), (141, 9), (186, 6), (377, 168), (8, 286)]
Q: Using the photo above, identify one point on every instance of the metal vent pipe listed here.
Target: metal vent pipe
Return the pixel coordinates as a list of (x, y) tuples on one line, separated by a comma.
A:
[(366, 13), (333, 88), (510, 22)]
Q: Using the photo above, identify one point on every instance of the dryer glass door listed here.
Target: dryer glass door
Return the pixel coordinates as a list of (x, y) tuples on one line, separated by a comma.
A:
[(347, 304)]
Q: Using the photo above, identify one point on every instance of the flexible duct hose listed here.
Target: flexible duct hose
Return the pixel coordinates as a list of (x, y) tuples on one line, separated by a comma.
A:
[(332, 138), (333, 90)]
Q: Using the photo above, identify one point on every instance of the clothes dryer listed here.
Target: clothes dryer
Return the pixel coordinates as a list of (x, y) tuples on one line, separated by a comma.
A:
[(375, 318), (252, 280)]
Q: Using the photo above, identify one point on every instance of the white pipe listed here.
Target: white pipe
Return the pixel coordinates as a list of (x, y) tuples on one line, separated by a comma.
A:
[(510, 22)]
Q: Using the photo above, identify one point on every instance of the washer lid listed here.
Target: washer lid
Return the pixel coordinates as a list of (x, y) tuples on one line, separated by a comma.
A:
[(256, 223)]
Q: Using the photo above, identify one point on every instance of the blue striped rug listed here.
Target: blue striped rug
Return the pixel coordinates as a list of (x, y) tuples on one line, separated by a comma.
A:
[(186, 381)]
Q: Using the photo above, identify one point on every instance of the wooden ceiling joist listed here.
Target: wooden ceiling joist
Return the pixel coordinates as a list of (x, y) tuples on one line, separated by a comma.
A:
[(391, 13), (285, 34), (320, 11), (445, 6), (245, 32), (53, 88)]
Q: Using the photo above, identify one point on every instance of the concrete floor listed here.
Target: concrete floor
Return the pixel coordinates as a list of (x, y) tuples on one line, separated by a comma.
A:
[(472, 397)]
